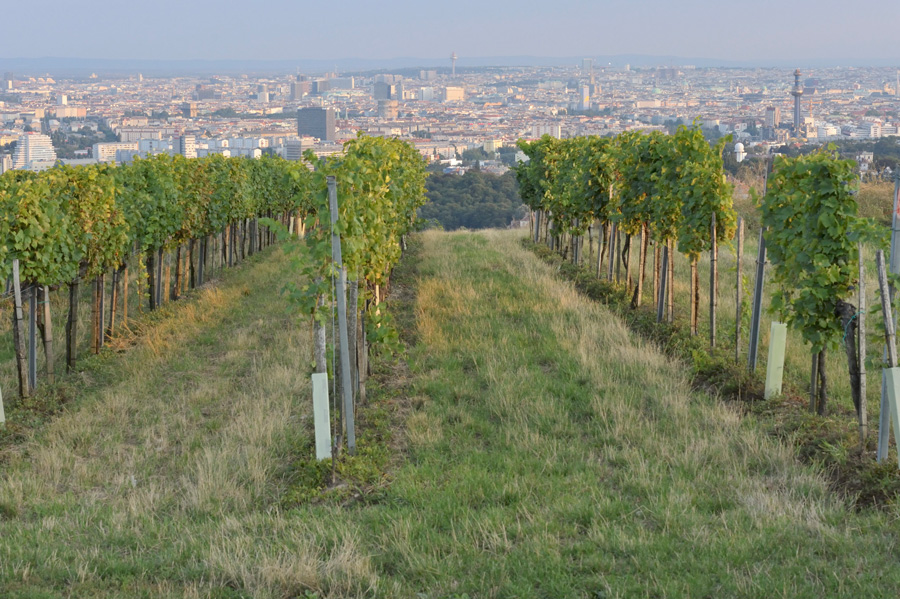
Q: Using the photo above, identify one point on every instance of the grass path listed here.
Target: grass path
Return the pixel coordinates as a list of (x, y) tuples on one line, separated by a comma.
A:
[(548, 453), (161, 479)]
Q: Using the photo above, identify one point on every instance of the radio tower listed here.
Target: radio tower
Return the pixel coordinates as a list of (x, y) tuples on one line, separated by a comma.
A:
[(453, 62), (797, 92)]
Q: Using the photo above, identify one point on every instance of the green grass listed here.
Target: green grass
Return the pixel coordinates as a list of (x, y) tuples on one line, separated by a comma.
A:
[(545, 451), (832, 441)]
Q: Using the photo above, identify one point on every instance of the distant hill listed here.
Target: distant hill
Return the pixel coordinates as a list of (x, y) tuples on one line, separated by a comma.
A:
[(78, 67)]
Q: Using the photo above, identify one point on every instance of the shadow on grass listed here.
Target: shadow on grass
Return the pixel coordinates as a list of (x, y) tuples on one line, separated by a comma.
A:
[(831, 441)]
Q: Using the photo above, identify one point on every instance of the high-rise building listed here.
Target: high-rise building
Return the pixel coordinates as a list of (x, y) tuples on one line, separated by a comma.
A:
[(384, 91), (106, 151), (797, 92), (299, 89), (189, 110), (294, 147), (187, 146), (7, 80), (426, 94), (584, 98), (34, 152), (388, 109), (587, 68), (316, 122), (320, 86), (62, 100), (5, 163), (541, 130), (773, 119), (454, 94)]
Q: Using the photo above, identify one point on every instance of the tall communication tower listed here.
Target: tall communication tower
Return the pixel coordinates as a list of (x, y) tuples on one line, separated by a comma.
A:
[(797, 92), (453, 63)]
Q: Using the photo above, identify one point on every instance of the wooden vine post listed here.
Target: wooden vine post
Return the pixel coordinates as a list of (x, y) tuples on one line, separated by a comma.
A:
[(663, 275), (739, 299), (125, 296), (19, 332), (756, 310), (657, 256), (713, 283), (48, 336), (32, 335), (883, 421), (72, 326), (671, 282), (695, 298), (892, 372), (96, 316), (642, 266), (861, 345), (341, 293), (352, 326)]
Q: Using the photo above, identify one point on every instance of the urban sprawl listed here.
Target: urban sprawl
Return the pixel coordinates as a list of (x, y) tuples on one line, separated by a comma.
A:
[(444, 112)]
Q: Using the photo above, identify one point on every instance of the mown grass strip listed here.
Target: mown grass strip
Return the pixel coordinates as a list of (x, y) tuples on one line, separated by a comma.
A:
[(547, 452), (829, 441), (559, 455), (165, 476)]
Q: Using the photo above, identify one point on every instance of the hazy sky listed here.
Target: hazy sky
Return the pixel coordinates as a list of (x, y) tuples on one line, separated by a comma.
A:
[(296, 29)]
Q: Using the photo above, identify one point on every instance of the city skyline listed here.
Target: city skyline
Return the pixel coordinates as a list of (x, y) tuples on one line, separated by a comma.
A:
[(772, 33)]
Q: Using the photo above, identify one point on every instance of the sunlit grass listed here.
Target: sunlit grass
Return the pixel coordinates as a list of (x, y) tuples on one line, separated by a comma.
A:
[(546, 452)]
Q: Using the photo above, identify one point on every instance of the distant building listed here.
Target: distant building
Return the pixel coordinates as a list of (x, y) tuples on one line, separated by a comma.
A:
[(343, 83), (5, 163), (202, 92), (584, 98), (454, 94), (428, 75), (189, 110), (34, 152), (62, 100), (300, 89), (426, 94), (384, 91), (797, 92), (388, 109), (773, 119), (294, 147), (316, 122), (187, 146), (63, 112), (541, 130), (320, 86), (106, 152)]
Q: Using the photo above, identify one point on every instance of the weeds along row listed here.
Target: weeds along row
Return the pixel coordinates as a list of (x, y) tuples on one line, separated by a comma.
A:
[(138, 235), (664, 200)]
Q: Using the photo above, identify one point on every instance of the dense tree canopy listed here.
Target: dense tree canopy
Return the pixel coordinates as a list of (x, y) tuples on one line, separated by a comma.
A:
[(476, 200)]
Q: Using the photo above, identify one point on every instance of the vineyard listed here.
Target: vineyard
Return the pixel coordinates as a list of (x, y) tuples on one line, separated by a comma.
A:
[(128, 228), (491, 431), (664, 199)]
